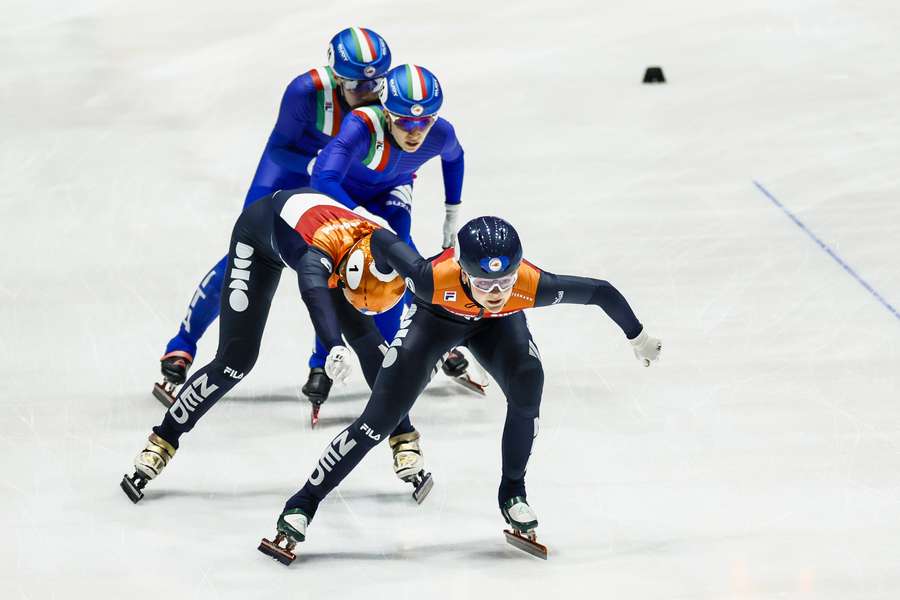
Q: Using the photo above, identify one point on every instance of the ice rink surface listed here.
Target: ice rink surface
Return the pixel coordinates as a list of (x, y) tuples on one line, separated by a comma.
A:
[(760, 459)]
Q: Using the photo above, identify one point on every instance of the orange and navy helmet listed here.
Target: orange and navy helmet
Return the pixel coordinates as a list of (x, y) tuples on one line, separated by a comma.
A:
[(369, 290)]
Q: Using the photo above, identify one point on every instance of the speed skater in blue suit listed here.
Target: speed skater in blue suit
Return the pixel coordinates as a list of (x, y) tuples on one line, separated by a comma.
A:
[(373, 162), (311, 112)]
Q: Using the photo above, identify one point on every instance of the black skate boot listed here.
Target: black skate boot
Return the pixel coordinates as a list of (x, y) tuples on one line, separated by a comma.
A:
[(457, 367), (174, 367), (316, 389)]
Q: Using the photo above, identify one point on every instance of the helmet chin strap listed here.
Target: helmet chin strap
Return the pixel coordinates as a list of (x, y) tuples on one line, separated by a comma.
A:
[(468, 290)]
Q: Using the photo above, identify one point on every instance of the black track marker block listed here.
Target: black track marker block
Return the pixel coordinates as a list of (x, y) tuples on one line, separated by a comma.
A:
[(654, 75)]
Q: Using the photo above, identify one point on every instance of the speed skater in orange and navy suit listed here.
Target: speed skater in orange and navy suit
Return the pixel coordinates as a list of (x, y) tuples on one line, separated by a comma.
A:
[(329, 248), (474, 297)]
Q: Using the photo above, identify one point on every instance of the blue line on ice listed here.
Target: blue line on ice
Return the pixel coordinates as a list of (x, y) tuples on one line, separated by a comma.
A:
[(828, 250)]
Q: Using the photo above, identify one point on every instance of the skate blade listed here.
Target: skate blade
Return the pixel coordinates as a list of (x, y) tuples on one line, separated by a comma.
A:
[(523, 543), (164, 397), (269, 548), (423, 489), (314, 416), (470, 384), (130, 490)]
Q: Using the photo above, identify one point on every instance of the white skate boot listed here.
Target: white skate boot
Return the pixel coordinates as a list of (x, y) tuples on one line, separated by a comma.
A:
[(523, 521), (409, 464), (147, 465)]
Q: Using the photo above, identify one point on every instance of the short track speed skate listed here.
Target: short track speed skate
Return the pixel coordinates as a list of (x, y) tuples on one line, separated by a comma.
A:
[(147, 465), (409, 464), (316, 389), (523, 522), (174, 367), (290, 530), (467, 374)]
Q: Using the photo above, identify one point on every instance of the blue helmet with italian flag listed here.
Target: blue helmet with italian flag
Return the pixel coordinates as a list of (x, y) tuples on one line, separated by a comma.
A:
[(411, 91), (357, 53)]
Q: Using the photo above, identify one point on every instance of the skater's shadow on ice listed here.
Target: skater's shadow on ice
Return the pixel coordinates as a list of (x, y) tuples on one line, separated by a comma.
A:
[(449, 390), (221, 493), (262, 398), (336, 397), (408, 552), (381, 497)]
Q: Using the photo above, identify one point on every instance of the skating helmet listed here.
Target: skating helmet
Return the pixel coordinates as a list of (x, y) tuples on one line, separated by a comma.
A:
[(488, 248), (369, 290), (357, 54), (411, 91)]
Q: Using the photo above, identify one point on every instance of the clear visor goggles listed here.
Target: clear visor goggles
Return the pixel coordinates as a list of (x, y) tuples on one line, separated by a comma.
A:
[(411, 124), (487, 285), (361, 86)]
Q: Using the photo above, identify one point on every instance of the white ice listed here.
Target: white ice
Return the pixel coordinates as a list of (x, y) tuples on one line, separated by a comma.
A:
[(759, 459)]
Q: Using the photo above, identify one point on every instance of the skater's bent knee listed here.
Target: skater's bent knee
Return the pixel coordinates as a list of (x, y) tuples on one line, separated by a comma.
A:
[(236, 361), (526, 387), (529, 375)]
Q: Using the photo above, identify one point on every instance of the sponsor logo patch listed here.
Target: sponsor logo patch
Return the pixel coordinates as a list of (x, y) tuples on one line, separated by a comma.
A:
[(450, 296), (233, 373), (343, 52), (240, 275), (334, 452), (370, 432), (190, 397)]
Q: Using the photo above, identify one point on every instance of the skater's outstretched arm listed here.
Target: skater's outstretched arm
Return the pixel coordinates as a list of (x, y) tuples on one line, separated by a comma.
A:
[(391, 253), (452, 164), (452, 169), (313, 275), (570, 289)]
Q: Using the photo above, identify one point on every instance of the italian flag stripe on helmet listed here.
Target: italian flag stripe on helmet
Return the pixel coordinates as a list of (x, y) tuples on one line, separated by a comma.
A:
[(365, 50), (415, 83)]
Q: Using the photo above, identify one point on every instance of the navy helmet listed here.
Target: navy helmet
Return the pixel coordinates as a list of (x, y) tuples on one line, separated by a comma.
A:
[(411, 91), (488, 248), (357, 53)]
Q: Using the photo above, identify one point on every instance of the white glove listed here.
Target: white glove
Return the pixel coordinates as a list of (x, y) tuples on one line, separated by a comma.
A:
[(646, 348), (450, 214), (337, 365)]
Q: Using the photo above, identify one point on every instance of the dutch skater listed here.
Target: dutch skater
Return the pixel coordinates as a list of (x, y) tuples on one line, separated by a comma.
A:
[(317, 237), (373, 159), (311, 112), (477, 300)]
